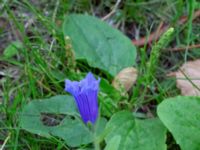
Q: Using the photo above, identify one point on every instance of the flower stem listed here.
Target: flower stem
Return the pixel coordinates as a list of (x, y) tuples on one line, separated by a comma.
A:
[(96, 145), (95, 141)]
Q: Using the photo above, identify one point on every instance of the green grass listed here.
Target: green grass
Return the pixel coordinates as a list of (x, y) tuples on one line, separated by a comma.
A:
[(42, 63)]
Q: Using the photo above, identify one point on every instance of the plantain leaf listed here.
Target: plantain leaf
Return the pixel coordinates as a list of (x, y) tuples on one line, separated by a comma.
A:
[(148, 134), (181, 116), (101, 45), (71, 128)]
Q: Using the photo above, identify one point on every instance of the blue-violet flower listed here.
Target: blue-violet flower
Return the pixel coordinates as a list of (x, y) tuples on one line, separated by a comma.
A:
[(85, 94)]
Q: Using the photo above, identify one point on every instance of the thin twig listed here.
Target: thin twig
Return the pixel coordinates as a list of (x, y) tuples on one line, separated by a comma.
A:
[(155, 35), (183, 48), (112, 12), (152, 37), (184, 19)]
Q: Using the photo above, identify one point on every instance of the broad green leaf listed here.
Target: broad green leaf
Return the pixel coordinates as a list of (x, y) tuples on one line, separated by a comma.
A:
[(101, 45), (100, 126), (71, 129), (12, 49), (181, 115), (148, 134), (113, 144)]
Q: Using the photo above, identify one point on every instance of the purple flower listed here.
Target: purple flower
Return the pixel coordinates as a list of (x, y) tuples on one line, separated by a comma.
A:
[(85, 94)]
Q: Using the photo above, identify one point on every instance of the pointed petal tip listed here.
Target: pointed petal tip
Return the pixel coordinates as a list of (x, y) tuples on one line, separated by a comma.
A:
[(90, 77), (67, 84)]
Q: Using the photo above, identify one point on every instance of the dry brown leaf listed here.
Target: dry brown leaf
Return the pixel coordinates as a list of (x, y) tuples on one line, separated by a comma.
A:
[(125, 78), (188, 78)]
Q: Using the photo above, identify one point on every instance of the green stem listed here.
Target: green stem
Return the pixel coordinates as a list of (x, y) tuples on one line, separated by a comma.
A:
[(96, 144), (95, 141)]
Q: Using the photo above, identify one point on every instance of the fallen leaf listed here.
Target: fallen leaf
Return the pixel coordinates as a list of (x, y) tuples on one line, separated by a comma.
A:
[(125, 78), (188, 78)]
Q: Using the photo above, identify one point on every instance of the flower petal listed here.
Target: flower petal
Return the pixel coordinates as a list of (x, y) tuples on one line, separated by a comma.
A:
[(89, 82), (85, 94), (72, 87)]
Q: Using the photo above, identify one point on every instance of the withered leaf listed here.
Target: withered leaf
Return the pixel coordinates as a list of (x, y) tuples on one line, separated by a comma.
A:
[(125, 78), (188, 78)]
